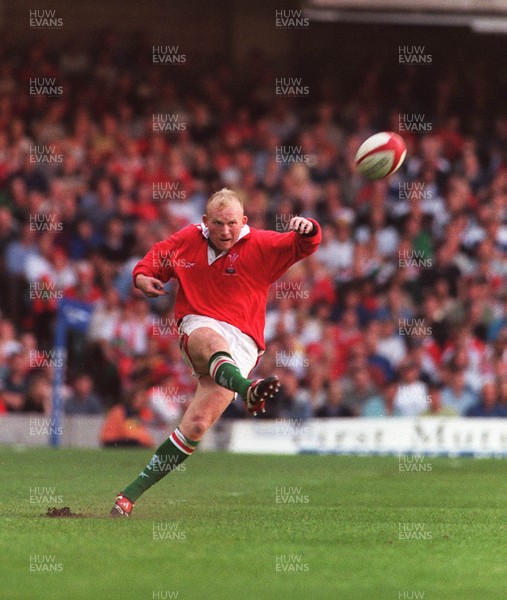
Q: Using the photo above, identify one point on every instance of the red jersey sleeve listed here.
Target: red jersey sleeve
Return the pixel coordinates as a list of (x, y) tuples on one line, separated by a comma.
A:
[(160, 260), (281, 250)]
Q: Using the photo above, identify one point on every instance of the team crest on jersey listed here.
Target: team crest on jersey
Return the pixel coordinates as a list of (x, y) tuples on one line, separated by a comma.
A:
[(232, 258)]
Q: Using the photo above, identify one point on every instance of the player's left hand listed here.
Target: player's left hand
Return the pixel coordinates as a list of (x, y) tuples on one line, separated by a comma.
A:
[(300, 225)]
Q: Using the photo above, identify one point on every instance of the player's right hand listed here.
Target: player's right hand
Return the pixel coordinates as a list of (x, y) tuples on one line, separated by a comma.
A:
[(150, 286)]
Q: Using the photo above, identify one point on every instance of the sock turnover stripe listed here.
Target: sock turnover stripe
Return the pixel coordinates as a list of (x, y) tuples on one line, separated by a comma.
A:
[(218, 362), (184, 439), (181, 444)]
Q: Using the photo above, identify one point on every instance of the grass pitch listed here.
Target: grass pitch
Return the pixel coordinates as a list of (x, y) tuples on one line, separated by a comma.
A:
[(243, 527)]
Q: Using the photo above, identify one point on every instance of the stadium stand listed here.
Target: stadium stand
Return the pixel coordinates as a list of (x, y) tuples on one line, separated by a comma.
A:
[(405, 299)]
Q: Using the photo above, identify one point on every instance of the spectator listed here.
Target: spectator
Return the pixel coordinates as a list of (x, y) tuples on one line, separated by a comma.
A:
[(114, 248), (358, 390), (411, 399), (391, 345), (313, 389), (487, 405), (336, 252), (125, 423), (132, 329), (379, 366), (502, 396), (291, 401), (8, 343), (105, 317), (38, 395), (15, 382), (98, 206), (83, 400), (435, 404), (456, 395), (83, 240), (334, 405), (381, 405)]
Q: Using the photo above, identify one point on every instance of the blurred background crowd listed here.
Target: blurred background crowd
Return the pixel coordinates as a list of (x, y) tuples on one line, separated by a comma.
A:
[(403, 309)]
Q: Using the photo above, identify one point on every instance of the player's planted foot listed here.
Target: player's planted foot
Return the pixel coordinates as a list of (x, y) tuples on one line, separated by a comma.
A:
[(259, 391), (122, 507)]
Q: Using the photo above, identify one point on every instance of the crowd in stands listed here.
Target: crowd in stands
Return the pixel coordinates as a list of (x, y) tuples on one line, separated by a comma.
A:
[(403, 309)]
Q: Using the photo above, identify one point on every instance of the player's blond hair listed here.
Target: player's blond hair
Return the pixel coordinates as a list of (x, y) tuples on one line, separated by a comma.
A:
[(224, 197)]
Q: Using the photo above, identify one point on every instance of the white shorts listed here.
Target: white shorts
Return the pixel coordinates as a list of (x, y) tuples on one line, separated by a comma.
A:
[(241, 346)]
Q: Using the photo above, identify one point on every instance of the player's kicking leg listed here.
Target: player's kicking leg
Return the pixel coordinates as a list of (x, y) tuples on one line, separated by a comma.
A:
[(207, 350)]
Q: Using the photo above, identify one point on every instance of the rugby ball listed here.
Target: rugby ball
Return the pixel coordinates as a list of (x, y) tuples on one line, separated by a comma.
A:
[(381, 154)]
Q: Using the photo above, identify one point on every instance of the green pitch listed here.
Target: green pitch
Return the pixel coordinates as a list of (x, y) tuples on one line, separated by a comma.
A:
[(235, 527)]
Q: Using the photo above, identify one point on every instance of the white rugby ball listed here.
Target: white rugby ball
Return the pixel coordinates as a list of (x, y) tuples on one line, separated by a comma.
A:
[(381, 154)]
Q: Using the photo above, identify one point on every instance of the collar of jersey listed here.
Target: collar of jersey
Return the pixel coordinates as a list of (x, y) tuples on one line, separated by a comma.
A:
[(212, 257)]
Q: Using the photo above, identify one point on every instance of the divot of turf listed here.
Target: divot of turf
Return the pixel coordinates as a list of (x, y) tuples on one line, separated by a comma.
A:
[(63, 513)]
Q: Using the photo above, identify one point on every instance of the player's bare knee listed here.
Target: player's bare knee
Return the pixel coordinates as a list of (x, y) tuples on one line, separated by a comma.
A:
[(197, 427), (204, 342)]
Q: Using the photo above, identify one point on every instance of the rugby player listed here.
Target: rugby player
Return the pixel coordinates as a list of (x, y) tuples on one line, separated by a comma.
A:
[(224, 269)]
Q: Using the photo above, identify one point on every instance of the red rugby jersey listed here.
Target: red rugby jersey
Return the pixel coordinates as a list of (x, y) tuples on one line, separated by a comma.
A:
[(234, 287)]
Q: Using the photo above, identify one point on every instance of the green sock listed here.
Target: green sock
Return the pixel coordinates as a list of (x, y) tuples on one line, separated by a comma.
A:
[(168, 456), (226, 373)]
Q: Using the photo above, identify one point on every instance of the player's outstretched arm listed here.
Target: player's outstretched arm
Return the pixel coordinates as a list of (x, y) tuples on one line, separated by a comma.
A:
[(150, 286), (280, 250)]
